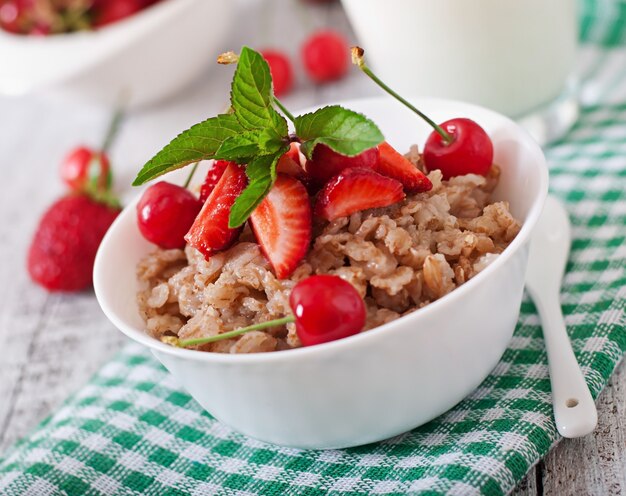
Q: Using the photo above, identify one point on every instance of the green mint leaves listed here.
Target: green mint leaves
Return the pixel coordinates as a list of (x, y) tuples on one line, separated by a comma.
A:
[(256, 134), (251, 94), (200, 142), (345, 131)]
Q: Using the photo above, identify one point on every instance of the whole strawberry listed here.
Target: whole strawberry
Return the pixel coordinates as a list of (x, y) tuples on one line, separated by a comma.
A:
[(64, 247)]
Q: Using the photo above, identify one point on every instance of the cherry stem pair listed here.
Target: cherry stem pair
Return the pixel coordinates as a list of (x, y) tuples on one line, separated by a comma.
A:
[(357, 59), (184, 343)]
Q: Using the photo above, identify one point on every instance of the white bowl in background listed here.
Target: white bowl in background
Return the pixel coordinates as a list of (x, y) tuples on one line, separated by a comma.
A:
[(149, 55), (379, 383)]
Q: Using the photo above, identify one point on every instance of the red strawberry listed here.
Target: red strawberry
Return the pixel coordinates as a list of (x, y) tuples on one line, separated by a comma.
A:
[(294, 153), (212, 177), (210, 233), (64, 247), (327, 163), (354, 190), (290, 164), (282, 225), (392, 163)]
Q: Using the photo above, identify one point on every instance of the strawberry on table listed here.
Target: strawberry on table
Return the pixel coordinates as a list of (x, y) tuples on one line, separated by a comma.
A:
[(282, 225), (64, 247), (210, 232), (392, 163), (354, 190)]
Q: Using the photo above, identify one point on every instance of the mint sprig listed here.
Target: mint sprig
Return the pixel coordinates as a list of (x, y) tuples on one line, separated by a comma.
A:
[(256, 134), (251, 94)]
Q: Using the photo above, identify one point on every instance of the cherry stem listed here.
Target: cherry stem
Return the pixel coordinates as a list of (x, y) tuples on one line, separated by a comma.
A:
[(113, 128), (174, 341), (284, 110), (357, 59), (190, 176)]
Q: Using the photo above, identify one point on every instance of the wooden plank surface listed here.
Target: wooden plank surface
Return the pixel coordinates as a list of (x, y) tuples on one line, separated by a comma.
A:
[(51, 344)]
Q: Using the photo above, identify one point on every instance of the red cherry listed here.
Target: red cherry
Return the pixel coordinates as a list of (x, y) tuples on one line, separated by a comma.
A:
[(76, 168), (110, 11), (326, 308), (327, 163), (325, 56), (281, 71), (165, 213), (471, 150)]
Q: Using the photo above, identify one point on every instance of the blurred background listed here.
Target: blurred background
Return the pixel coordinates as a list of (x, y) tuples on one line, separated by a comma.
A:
[(66, 64)]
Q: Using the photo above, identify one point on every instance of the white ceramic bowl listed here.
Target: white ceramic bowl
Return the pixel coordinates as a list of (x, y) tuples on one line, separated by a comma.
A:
[(379, 383), (149, 55)]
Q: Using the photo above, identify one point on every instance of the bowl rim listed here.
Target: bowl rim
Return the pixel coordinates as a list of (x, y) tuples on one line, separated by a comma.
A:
[(451, 298)]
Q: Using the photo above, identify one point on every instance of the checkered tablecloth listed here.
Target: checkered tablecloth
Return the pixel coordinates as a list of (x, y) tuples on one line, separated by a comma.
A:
[(132, 430)]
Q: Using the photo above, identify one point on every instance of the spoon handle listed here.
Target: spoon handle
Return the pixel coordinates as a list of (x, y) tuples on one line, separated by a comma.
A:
[(574, 409)]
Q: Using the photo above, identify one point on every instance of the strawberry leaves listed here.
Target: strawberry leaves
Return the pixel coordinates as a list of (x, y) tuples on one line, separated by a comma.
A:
[(256, 134), (345, 131)]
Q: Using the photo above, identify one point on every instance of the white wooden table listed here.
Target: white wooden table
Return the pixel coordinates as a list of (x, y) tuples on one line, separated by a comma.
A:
[(51, 344)]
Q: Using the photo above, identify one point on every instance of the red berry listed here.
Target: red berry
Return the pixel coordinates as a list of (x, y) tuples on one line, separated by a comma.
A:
[(64, 247), (210, 233), (213, 175), (354, 190), (110, 11), (11, 12), (165, 213), (392, 163), (326, 308), (282, 225), (290, 164), (327, 163), (325, 56), (281, 71), (81, 164), (471, 150)]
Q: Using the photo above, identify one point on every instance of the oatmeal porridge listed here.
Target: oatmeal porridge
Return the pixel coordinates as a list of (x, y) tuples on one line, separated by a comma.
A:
[(399, 258)]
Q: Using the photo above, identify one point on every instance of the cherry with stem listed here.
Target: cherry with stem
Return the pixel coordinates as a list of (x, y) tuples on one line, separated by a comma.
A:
[(456, 147), (325, 308)]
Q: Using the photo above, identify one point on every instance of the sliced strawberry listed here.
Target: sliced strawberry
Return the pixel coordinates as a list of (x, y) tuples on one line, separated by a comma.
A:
[(392, 163), (290, 164), (294, 153), (354, 190), (212, 177), (327, 163), (282, 225), (210, 233)]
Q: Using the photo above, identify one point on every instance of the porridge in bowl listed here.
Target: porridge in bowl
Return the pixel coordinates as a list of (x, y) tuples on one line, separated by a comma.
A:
[(401, 230), (399, 258)]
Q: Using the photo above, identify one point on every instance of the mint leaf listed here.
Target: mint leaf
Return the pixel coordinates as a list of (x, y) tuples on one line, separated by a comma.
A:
[(251, 94), (240, 148), (345, 131), (262, 173), (200, 142), (243, 147)]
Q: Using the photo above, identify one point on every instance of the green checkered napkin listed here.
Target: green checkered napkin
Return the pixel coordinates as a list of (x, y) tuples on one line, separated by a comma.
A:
[(132, 430)]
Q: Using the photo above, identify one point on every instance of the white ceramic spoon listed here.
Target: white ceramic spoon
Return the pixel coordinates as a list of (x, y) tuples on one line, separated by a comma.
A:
[(574, 409)]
